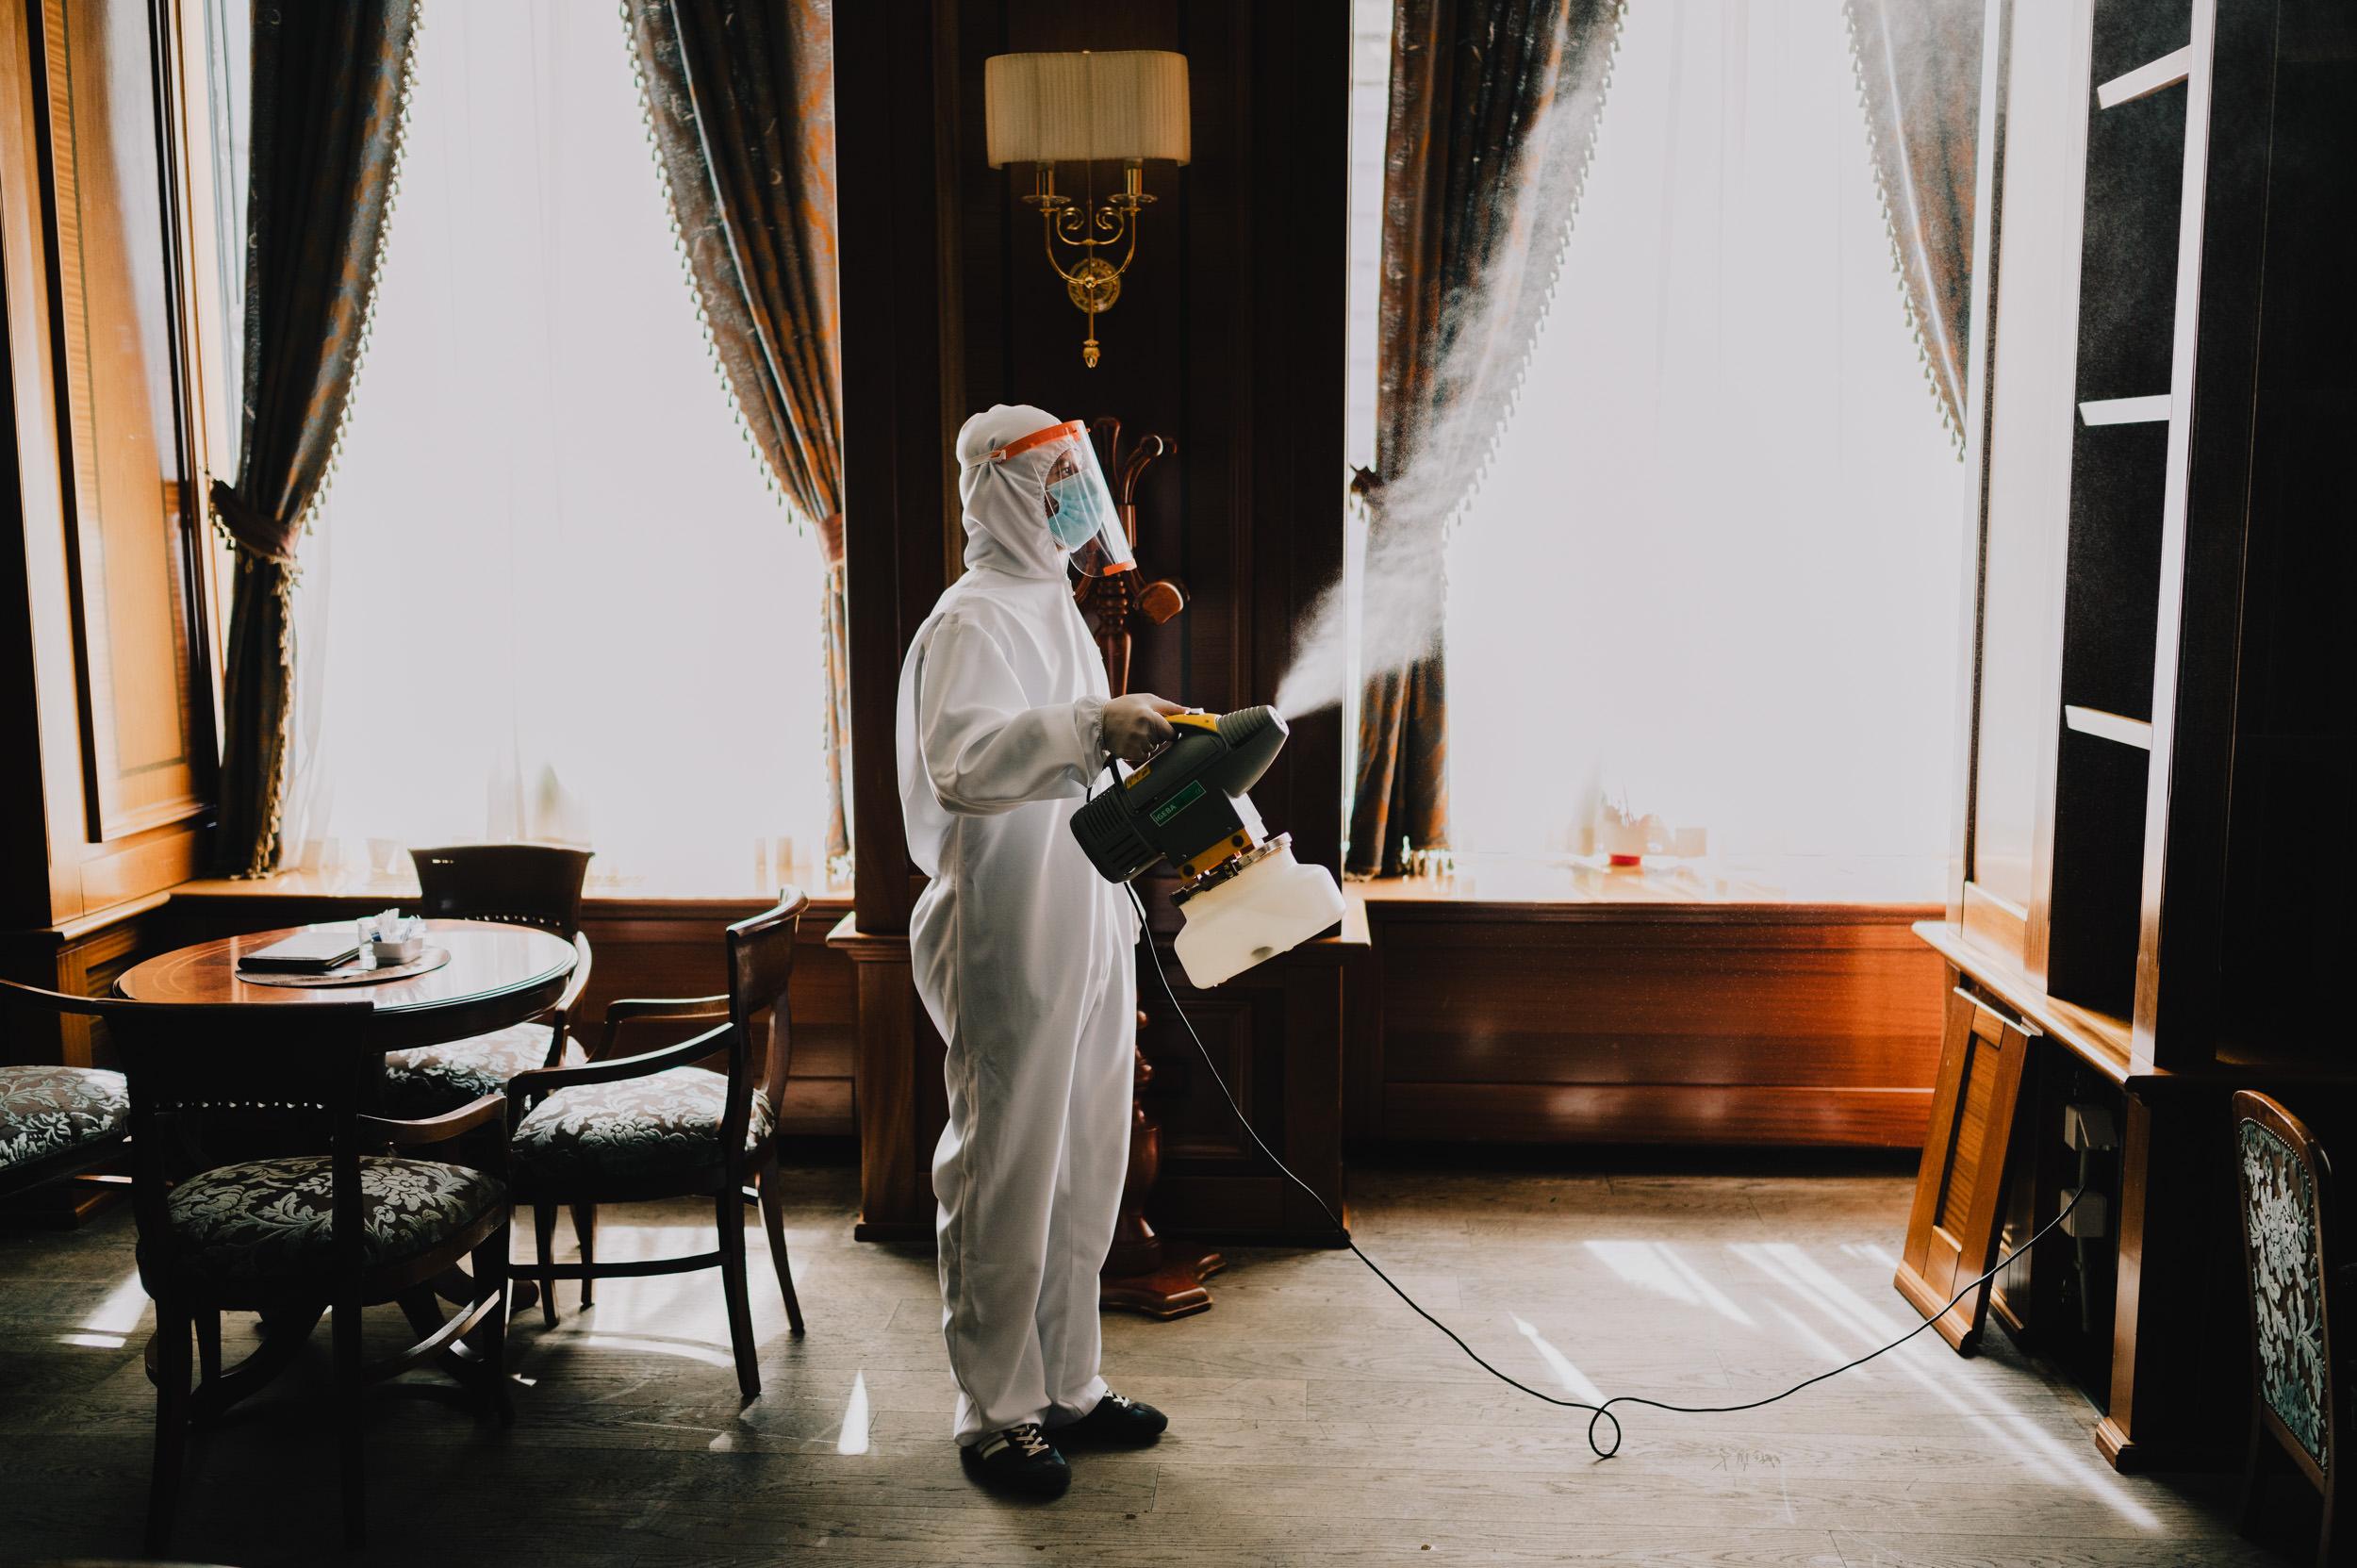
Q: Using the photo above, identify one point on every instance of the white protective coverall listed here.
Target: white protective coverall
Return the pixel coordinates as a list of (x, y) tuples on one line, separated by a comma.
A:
[(1021, 950)]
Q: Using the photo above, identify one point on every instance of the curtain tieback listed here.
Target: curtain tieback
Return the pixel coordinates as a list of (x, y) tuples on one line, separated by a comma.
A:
[(830, 539), (255, 533), (1364, 482)]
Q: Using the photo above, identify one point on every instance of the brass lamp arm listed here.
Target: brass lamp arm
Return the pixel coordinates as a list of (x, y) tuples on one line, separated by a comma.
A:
[(1073, 222), (1052, 224), (1093, 283)]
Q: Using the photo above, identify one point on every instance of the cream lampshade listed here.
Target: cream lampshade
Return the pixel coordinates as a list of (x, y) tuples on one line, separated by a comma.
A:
[(1125, 104), (1128, 106)]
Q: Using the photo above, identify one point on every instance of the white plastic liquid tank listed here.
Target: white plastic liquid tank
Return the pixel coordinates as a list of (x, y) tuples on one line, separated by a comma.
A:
[(1269, 906)]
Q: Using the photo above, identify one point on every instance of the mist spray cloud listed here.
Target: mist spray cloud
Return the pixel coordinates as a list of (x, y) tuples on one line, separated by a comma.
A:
[(1402, 600), (1456, 408)]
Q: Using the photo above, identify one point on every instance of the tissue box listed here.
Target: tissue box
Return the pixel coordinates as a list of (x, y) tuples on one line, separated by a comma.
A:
[(394, 938), (405, 951)]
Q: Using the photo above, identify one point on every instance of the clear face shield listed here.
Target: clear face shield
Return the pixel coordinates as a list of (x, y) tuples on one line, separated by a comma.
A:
[(1073, 498)]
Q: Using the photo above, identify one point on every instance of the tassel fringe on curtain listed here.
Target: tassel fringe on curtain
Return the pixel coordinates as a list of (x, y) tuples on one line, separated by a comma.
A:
[(1918, 73)]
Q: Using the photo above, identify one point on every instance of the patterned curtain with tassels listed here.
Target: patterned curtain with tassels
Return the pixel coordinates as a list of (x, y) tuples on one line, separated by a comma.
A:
[(1918, 74), (330, 89), (1495, 106), (740, 104)]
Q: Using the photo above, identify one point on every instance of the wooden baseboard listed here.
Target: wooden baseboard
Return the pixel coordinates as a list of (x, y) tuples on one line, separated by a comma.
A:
[(914, 1232), (65, 1205), (2131, 1457)]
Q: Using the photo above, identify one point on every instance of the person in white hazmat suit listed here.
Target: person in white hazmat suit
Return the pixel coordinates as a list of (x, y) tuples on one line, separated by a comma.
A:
[(1022, 951)]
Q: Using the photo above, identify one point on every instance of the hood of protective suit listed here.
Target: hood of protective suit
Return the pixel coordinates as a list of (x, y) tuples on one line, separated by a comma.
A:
[(1005, 528)]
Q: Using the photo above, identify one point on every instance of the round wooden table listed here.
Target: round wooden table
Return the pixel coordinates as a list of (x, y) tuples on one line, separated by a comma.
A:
[(496, 975)]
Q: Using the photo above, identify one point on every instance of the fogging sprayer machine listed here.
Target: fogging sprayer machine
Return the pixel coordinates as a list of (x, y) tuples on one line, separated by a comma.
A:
[(1243, 896), (1245, 899)]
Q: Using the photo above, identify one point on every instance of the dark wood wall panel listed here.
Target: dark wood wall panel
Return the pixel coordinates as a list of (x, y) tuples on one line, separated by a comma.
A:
[(145, 720), (1228, 339), (894, 211), (1276, 1035), (1642, 1024), (2295, 728), (107, 678)]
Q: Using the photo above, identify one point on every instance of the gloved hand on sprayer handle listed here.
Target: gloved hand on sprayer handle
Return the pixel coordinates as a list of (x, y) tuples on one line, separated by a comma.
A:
[(1134, 727)]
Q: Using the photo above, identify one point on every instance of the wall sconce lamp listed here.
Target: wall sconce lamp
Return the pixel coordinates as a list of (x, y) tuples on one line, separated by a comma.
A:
[(1128, 105)]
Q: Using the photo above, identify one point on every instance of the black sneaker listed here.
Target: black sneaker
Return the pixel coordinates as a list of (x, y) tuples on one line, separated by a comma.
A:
[(1116, 1422), (1019, 1459)]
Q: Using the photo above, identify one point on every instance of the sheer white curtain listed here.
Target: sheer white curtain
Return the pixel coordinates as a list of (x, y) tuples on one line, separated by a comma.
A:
[(1716, 564), (550, 595)]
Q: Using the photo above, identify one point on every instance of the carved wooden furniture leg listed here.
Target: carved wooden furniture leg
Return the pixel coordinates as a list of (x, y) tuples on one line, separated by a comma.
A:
[(586, 1233), (207, 1342), (490, 1267), (458, 1288), (1142, 1272), (544, 1243), (171, 1357), (283, 1335), (772, 1201), (729, 1209)]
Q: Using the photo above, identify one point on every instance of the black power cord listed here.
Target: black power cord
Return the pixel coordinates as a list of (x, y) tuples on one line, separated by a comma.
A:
[(1597, 1412)]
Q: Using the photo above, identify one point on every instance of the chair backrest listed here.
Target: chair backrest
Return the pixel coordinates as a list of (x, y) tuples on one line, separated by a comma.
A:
[(524, 884), (761, 967), (2285, 1186), (302, 1068)]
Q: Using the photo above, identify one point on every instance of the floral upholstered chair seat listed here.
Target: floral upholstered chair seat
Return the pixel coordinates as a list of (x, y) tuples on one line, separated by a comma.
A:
[(46, 1111), (272, 1219), (635, 1133), (432, 1080)]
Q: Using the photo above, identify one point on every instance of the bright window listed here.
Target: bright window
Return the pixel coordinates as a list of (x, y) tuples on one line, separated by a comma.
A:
[(549, 595), (1716, 564)]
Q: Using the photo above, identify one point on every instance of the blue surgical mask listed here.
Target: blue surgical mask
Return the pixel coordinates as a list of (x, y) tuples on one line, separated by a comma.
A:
[(1083, 511)]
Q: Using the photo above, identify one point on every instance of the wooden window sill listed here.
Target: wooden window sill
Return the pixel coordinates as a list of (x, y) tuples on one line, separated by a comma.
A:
[(369, 890), (1789, 884)]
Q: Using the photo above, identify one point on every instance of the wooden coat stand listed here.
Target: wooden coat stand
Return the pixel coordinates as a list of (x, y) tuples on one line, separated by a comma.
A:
[(1141, 1272)]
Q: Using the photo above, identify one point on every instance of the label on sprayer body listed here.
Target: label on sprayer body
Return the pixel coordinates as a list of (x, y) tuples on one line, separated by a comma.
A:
[(1176, 803)]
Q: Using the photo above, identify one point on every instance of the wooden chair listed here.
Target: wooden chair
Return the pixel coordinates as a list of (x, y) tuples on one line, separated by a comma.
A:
[(59, 1122), (523, 884), (340, 1225), (653, 1126), (2289, 1260), (526, 884)]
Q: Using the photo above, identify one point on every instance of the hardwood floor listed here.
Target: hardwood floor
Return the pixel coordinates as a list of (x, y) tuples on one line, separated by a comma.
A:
[(1315, 1420)]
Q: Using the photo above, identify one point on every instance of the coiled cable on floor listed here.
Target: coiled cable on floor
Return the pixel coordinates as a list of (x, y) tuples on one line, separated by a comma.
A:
[(1598, 1413)]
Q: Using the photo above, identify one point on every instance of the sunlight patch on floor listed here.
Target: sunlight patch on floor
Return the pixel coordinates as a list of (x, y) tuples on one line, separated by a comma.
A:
[(649, 1344), (109, 1324), (675, 1306), (1574, 1381), (1818, 1344), (853, 1438), (1792, 1268)]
